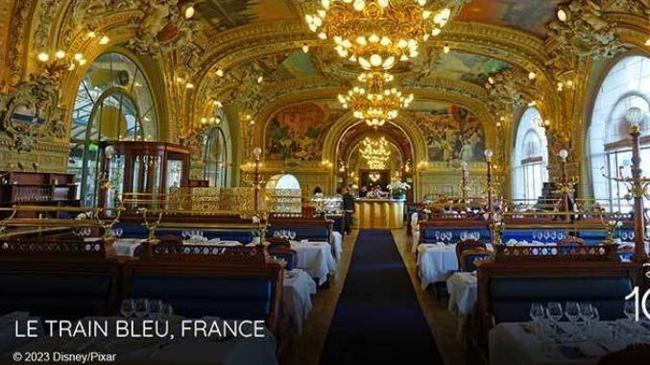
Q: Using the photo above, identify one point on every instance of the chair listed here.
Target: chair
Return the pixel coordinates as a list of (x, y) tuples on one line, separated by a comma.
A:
[(471, 259), (637, 354), (465, 245), (285, 253)]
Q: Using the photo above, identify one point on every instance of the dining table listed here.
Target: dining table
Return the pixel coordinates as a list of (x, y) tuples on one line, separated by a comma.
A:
[(296, 298), (315, 258), (436, 262), (526, 343)]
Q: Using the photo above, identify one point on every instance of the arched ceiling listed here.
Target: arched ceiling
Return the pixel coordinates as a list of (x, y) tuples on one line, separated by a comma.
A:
[(265, 38)]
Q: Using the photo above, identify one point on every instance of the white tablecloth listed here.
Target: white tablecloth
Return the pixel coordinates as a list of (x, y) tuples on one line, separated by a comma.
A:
[(516, 344), (315, 258), (415, 232), (296, 299), (436, 262), (462, 288), (337, 243)]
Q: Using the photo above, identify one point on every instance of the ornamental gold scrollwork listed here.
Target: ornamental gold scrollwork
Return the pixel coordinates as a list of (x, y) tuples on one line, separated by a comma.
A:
[(163, 28), (582, 32), (31, 112)]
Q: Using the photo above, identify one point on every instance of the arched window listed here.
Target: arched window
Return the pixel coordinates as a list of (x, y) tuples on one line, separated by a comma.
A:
[(114, 102), (216, 158), (624, 97), (530, 159)]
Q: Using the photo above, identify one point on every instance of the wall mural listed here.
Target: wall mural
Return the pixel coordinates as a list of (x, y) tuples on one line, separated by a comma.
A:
[(298, 132), (453, 134)]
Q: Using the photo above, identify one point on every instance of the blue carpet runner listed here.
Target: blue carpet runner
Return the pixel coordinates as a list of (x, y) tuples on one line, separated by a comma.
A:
[(378, 319)]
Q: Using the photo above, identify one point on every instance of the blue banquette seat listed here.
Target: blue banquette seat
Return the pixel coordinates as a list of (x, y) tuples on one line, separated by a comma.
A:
[(204, 288), (137, 230), (312, 229), (507, 289), (58, 288), (428, 229)]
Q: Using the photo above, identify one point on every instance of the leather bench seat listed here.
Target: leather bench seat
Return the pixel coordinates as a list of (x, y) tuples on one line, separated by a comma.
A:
[(512, 297), (428, 234), (196, 296), (55, 295), (139, 231), (316, 233)]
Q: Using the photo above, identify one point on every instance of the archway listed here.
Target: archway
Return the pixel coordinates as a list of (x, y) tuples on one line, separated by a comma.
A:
[(392, 156)]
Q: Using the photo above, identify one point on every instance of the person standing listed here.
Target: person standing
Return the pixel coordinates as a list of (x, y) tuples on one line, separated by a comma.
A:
[(348, 208)]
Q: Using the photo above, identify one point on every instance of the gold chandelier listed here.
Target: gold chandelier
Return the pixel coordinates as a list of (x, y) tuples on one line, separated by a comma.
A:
[(375, 152), (378, 33), (375, 103)]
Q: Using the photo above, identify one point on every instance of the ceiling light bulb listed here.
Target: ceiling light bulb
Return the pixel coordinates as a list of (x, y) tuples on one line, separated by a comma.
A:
[(532, 76), (260, 79), (562, 15), (78, 56), (446, 49), (43, 57), (60, 54), (189, 12), (91, 34), (219, 72), (104, 40), (647, 43), (305, 48), (189, 85)]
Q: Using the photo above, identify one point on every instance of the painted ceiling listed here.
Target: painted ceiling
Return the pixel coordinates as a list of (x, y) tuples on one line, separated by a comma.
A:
[(526, 15)]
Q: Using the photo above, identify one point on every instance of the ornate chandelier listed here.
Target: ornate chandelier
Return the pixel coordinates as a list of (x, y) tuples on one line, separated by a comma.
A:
[(375, 152), (378, 33), (375, 103)]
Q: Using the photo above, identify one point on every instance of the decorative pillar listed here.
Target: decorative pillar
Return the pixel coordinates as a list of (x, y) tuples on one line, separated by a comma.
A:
[(638, 191)]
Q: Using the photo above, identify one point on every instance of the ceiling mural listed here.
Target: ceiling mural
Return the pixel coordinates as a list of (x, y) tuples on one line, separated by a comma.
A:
[(452, 133), (226, 14), (526, 15), (464, 67), (298, 132), (297, 65)]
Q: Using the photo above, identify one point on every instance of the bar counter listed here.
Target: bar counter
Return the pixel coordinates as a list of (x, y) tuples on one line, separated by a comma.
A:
[(379, 213)]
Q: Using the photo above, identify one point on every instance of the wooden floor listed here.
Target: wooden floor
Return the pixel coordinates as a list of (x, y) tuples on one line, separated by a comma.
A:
[(306, 348)]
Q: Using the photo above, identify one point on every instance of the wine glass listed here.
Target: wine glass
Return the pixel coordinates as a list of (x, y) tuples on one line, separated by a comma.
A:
[(624, 236), (553, 236), (537, 312), (587, 315), (546, 235), (292, 235), (572, 312), (127, 308), (554, 313), (141, 307), (437, 235), (629, 309), (167, 310), (155, 309)]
